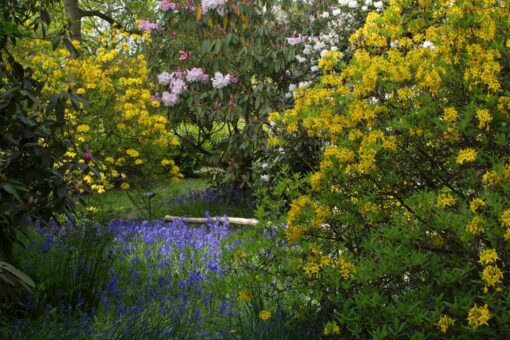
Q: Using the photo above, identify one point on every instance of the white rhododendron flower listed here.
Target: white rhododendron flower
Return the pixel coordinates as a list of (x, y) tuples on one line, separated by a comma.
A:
[(219, 80), (164, 78)]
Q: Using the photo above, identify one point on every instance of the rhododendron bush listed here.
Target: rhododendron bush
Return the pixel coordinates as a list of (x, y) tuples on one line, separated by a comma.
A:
[(224, 66), (406, 228)]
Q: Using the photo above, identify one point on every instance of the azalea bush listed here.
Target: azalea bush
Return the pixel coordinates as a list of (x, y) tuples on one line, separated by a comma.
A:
[(325, 27), (405, 230), (113, 124)]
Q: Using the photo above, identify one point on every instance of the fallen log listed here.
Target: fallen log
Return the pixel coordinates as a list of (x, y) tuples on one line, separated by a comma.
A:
[(231, 220)]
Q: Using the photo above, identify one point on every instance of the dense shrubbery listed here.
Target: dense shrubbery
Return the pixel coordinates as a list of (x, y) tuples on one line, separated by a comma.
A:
[(406, 229), (115, 125), (31, 139), (403, 229)]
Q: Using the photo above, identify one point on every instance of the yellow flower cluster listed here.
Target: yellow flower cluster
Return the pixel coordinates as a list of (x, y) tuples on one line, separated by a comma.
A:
[(476, 226), (330, 60), (466, 155), (478, 316), (331, 328), (245, 295), (265, 315), (445, 322), (484, 118), (491, 274), (445, 200), (450, 115), (114, 81), (295, 230), (475, 204)]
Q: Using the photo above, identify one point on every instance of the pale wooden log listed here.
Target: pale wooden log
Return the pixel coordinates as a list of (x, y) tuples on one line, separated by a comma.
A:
[(231, 220)]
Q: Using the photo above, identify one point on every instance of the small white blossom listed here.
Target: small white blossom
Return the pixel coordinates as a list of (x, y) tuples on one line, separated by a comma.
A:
[(429, 45)]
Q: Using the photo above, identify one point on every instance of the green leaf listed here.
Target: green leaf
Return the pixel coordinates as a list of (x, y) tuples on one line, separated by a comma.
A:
[(11, 190), (55, 42), (217, 46)]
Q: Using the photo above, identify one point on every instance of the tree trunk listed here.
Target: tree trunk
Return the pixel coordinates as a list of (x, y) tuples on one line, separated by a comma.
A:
[(73, 15)]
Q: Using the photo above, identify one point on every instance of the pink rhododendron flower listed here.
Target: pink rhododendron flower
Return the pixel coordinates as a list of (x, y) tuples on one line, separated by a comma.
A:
[(217, 5), (233, 78), (180, 73), (195, 74), (169, 99), (178, 85), (205, 78), (165, 5), (183, 55), (156, 97), (145, 25), (297, 40)]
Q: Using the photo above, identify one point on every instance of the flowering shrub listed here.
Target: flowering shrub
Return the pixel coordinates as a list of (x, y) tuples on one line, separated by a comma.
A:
[(224, 66), (325, 30), (113, 122), (405, 231)]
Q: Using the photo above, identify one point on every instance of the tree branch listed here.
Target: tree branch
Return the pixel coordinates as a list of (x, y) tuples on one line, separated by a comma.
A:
[(107, 18)]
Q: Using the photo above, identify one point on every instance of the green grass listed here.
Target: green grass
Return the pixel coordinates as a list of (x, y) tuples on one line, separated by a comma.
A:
[(117, 204)]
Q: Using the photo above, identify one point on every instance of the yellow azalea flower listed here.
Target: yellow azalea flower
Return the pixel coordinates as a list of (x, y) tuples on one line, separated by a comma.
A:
[(445, 200), (444, 323), (450, 115), (274, 116), (83, 128), (505, 218), (478, 316), (132, 153), (492, 276), (475, 204), (315, 181), (488, 256), (484, 118), (466, 155), (311, 268), (245, 295), (476, 227), (265, 315), (124, 186), (331, 328), (165, 162)]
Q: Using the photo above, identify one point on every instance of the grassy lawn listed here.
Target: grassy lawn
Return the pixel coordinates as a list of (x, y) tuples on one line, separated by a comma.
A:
[(117, 204), (188, 197)]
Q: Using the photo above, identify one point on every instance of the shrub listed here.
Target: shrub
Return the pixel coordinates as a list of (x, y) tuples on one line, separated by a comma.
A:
[(405, 232)]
